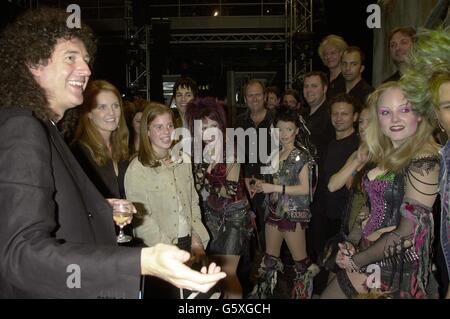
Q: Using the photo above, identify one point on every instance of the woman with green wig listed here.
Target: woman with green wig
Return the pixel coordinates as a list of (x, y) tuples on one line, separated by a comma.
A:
[(393, 254), (426, 83)]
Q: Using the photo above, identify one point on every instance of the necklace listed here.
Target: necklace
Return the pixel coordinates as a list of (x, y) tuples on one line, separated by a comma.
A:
[(164, 159)]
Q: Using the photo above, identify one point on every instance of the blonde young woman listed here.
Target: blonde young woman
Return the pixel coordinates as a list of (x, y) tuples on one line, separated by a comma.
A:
[(101, 138), (161, 186), (401, 189), (164, 185)]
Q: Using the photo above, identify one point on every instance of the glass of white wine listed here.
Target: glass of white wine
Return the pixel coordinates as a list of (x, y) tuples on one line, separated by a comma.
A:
[(122, 212)]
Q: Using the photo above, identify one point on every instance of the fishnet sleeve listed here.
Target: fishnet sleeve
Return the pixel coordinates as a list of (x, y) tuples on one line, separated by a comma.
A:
[(355, 233), (416, 221)]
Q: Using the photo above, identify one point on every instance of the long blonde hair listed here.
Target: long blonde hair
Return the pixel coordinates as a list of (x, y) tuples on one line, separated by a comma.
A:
[(88, 135), (146, 154), (381, 149)]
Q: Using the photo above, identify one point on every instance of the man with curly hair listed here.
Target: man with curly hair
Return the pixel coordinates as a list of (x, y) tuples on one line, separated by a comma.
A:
[(426, 82), (53, 219)]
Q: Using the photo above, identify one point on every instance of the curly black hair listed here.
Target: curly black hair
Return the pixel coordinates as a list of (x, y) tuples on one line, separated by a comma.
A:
[(31, 40)]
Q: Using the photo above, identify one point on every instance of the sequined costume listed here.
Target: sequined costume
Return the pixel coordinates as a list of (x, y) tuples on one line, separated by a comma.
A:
[(397, 235), (285, 211)]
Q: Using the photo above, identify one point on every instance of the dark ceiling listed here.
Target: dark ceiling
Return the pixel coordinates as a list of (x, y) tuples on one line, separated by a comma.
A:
[(208, 63)]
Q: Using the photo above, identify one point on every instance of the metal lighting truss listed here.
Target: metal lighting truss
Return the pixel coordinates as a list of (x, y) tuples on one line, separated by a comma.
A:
[(299, 14), (298, 20), (138, 55), (226, 38)]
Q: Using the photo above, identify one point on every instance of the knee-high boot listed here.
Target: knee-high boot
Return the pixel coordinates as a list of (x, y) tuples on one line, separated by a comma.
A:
[(267, 277), (304, 271)]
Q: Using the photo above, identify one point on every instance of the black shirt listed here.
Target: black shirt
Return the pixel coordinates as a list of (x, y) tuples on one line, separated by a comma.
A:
[(361, 91), (322, 131), (337, 153), (394, 77), (103, 177), (244, 121), (336, 86)]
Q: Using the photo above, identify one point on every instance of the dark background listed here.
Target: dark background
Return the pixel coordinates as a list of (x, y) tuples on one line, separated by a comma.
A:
[(208, 64)]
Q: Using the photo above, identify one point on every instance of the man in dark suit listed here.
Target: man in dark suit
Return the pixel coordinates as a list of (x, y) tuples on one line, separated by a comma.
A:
[(57, 237)]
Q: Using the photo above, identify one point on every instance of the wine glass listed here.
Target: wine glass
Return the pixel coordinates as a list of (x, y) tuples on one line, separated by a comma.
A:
[(122, 212)]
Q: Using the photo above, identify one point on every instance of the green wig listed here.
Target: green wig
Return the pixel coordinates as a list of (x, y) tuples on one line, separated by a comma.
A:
[(427, 68)]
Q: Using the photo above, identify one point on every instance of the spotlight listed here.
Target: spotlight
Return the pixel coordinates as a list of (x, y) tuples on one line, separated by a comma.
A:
[(216, 13)]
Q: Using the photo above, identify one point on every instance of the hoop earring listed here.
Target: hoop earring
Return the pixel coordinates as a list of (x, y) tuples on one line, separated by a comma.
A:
[(440, 126)]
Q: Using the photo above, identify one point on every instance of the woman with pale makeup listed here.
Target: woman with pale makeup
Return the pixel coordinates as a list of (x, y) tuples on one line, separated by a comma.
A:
[(288, 195), (397, 236), (101, 138), (160, 184), (426, 81), (226, 208)]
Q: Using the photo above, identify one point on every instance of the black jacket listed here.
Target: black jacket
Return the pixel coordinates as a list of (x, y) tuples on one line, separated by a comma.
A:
[(103, 177), (54, 218)]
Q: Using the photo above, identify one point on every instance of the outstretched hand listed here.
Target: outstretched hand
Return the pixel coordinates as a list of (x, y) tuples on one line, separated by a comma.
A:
[(167, 262)]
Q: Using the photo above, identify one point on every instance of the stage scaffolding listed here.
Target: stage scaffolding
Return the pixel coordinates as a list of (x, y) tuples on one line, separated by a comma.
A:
[(203, 22), (286, 22)]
